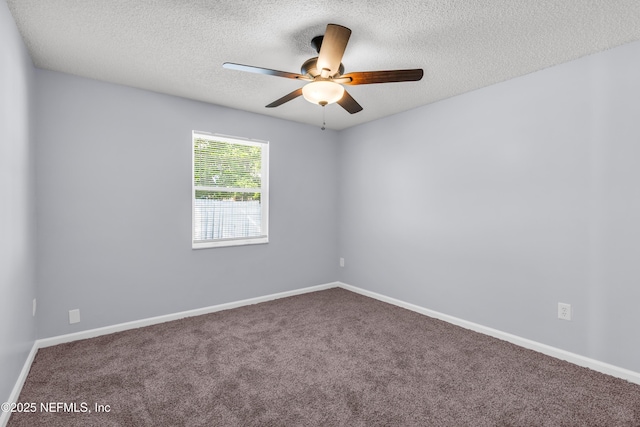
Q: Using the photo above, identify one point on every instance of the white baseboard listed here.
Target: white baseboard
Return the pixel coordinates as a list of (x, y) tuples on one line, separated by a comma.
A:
[(576, 359), (17, 388), (92, 333)]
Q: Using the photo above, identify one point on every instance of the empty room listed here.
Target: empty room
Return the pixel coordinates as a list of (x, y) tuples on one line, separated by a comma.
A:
[(364, 213)]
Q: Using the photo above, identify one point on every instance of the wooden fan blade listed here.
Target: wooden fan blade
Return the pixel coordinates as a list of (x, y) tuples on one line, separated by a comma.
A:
[(260, 70), (370, 77), (293, 95), (348, 103), (333, 45)]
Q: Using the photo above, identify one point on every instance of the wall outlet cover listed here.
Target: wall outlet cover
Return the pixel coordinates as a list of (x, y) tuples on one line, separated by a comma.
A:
[(564, 311), (74, 316)]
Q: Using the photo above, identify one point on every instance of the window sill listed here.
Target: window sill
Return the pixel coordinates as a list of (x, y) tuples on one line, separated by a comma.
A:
[(230, 242)]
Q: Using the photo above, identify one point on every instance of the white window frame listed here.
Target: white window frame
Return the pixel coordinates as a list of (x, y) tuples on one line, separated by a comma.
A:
[(264, 190)]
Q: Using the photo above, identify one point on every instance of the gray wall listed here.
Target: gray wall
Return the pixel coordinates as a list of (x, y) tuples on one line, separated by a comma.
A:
[(495, 205), (114, 206), (17, 215)]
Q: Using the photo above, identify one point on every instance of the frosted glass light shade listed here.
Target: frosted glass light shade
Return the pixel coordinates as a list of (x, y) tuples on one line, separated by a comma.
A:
[(322, 92)]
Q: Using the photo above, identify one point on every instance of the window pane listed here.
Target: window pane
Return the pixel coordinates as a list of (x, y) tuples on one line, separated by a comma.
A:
[(226, 215), (230, 191), (223, 164)]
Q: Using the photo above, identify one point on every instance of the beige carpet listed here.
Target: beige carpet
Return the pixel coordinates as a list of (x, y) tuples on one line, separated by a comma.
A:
[(328, 358)]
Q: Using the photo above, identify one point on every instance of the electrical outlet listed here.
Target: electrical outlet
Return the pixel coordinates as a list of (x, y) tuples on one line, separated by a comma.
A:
[(341, 262), (74, 316), (564, 311)]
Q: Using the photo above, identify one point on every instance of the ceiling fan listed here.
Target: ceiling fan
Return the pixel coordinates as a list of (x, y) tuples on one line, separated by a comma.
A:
[(324, 73)]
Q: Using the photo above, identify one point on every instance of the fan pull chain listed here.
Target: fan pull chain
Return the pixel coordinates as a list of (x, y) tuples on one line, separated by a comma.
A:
[(323, 118)]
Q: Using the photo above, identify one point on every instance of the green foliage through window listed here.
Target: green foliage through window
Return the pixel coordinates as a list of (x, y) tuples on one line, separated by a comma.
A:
[(233, 169)]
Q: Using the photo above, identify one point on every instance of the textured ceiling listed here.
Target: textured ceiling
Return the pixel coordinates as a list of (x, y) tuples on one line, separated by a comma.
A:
[(178, 46)]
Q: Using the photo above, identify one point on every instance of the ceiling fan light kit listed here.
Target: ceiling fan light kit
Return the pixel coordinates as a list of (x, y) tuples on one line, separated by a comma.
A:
[(324, 74), (322, 92)]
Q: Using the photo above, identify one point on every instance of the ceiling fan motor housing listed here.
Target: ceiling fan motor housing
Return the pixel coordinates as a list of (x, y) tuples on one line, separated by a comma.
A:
[(310, 67)]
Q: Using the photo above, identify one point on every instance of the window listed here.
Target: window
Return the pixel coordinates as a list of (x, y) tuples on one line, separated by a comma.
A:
[(230, 198)]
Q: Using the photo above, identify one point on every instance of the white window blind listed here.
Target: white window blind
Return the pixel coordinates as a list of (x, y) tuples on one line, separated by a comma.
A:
[(230, 195)]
